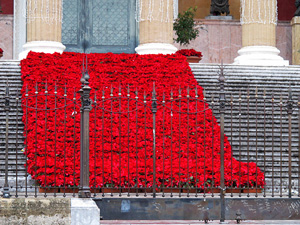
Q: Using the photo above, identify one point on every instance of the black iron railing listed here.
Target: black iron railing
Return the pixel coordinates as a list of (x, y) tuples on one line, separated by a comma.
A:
[(122, 152)]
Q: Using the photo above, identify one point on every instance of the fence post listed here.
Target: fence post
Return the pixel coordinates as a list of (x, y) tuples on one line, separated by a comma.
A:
[(6, 193), (290, 111), (84, 187), (222, 112), (154, 110)]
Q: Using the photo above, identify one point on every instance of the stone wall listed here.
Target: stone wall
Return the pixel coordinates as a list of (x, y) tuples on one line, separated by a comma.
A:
[(6, 37), (220, 40), (35, 211)]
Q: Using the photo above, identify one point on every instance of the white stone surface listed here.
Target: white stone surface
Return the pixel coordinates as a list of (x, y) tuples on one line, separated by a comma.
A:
[(41, 46), (84, 212), (260, 56), (19, 27), (155, 48)]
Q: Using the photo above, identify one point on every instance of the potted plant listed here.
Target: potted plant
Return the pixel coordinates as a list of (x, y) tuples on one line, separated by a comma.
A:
[(1, 52), (184, 27)]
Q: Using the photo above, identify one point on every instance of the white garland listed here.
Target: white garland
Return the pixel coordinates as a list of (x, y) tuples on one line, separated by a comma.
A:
[(48, 12), (156, 10), (266, 13)]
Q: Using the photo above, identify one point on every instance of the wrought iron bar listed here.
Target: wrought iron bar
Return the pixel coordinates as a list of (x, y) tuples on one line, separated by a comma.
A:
[(35, 145), (74, 141), (196, 144), (179, 148), (204, 141), (6, 192), (120, 148), (188, 138), (55, 135), (46, 112), (171, 98), (65, 134), (248, 140), (26, 141), (256, 148), (273, 163), (111, 139), (154, 111), (299, 146), (290, 112), (240, 142), (102, 140), (95, 142), (264, 97), (280, 186), (222, 112), (231, 169), (17, 139), (128, 142), (164, 136)]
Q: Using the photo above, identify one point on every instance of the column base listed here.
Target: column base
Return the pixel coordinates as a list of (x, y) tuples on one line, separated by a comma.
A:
[(41, 46), (155, 48), (260, 56)]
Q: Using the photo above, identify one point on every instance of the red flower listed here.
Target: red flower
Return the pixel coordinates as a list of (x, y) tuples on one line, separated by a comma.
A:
[(189, 52), (1, 51), (121, 123)]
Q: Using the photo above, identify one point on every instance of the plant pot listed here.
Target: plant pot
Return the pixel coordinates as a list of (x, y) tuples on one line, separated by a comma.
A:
[(252, 190), (110, 190), (1, 54), (69, 190), (192, 190), (233, 190), (131, 190), (211, 190), (49, 190), (193, 59), (171, 190)]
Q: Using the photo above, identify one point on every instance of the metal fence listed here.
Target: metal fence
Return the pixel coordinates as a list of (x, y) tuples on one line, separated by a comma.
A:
[(172, 145)]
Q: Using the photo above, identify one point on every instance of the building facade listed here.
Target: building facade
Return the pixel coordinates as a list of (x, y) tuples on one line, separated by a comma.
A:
[(261, 29)]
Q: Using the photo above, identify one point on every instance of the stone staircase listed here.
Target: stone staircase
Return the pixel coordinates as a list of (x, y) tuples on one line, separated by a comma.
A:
[(268, 147), (10, 73)]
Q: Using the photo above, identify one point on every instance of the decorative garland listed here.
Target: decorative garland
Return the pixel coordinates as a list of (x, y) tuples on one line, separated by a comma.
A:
[(259, 11), (121, 155)]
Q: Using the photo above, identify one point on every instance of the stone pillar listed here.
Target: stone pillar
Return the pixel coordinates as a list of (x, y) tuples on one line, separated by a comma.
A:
[(259, 21), (296, 41), (44, 20), (156, 27), (19, 27)]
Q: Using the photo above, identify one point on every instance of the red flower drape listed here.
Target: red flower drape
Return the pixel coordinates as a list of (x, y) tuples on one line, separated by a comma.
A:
[(121, 153)]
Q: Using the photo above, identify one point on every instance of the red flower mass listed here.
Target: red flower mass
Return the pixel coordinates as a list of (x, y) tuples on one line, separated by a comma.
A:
[(189, 52), (1, 51), (121, 153)]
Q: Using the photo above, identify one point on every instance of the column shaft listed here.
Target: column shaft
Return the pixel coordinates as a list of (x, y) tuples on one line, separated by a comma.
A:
[(296, 41), (43, 27), (156, 27)]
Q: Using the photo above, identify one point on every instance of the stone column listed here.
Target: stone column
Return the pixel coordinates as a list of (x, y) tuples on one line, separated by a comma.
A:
[(156, 27), (259, 21), (44, 20), (296, 41)]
